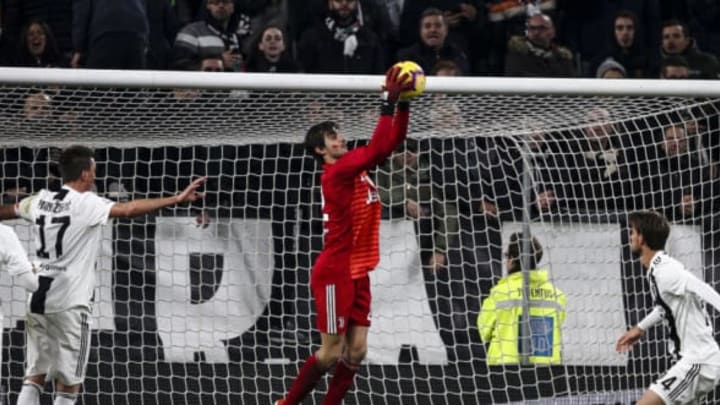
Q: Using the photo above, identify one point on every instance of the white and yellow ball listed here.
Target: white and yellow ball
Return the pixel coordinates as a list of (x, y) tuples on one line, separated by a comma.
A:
[(416, 76)]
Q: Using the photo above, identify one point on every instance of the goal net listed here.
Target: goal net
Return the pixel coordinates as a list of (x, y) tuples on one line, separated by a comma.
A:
[(209, 303)]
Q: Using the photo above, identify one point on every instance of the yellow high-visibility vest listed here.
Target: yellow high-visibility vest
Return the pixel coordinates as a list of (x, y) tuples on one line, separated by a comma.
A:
[(499, 319)]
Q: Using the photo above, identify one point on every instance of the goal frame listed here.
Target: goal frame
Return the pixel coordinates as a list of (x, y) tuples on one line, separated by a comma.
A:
[(357, 83)]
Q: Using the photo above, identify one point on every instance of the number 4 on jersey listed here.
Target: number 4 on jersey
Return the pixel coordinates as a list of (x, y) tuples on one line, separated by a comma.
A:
[(40, 222), (668, 382)]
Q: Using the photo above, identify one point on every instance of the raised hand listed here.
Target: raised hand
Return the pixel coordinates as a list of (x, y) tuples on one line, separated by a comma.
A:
[(628, 339), (189, 194)]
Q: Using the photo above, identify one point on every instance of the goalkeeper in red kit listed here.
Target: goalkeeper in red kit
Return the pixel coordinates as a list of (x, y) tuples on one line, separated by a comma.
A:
[(351, 222)]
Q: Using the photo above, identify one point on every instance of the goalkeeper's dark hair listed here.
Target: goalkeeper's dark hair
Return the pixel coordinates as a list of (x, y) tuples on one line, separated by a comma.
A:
[(516, 248), (73, 161), (653, 226), (315, 137)]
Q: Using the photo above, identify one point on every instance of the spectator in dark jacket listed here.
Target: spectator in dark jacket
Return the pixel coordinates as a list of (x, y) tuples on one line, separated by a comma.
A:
[(582, 26), (109, 34), (341, 44), (216, 35), (676, 40), (270, 54), (638, 60), (37, 47), (535, 55), (434, 44)]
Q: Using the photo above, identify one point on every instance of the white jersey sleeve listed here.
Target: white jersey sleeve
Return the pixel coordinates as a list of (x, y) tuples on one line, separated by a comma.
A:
[(651, 319), (13, 258)]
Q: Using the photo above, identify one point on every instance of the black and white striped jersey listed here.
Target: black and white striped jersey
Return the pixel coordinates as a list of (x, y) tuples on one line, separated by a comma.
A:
[(67, 230), (680, 299)]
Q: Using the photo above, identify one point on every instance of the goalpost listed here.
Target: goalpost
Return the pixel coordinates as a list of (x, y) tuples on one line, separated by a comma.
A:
[(210, 303)]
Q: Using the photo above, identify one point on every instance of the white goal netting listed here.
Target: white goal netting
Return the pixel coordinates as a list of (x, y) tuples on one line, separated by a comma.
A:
[(210, 303)]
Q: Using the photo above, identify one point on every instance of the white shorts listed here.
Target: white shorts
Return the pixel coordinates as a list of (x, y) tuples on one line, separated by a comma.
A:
[(686, 382), (58, 345)]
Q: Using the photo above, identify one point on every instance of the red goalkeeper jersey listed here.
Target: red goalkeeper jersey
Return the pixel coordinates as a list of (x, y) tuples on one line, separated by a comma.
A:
[(351, 206)]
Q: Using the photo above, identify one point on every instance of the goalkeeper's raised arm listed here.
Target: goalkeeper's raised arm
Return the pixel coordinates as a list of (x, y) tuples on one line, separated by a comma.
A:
[(351, 219)]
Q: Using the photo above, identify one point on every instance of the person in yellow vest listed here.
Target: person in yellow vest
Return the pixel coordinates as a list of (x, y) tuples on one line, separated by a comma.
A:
[(499, 318)]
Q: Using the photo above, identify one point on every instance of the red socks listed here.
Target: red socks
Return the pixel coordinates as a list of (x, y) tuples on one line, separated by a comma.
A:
[(307, 378), (341, 381)]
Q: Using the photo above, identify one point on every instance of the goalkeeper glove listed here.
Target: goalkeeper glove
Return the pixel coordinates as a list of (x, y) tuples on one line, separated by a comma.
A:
[(395, 83)]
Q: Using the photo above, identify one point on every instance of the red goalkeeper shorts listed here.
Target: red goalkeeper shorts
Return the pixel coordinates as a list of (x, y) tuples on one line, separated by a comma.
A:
[(340, 304)]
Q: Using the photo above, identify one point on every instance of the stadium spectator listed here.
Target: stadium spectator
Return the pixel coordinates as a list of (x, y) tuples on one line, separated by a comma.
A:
[(597, 165), (341, 43), (498, 320), (678, 182), (351, 216), (37, 107), (249, 14), (16, 14), (680, 300), (37, 47), (270, 53), (535, 54), (505, 19), (434, 44), (215, 35), (674, 67), (462, 18), (445, 68), (676, 41), (628, 50), (584, 28), (610, 69), (405, 187), (470, 268), (163, 28), (109, 34), (372, 14)]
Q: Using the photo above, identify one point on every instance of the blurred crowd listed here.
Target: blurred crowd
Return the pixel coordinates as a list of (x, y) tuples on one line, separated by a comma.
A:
[(531, 38), (459, 190)]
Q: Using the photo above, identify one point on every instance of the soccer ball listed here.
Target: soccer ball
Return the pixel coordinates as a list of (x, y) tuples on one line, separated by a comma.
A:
[(417, 76)]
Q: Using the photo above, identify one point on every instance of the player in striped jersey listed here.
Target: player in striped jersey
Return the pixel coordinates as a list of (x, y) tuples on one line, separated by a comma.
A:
[(14, 260), (67, 227), (680, 299), (351, 220)]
